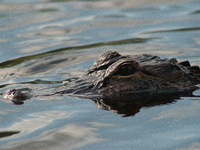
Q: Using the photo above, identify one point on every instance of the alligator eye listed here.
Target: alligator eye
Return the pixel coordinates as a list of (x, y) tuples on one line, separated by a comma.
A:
[(126, 70)]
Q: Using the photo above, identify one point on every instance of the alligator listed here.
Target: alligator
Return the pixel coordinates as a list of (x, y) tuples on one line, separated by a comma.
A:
[(130, 78)]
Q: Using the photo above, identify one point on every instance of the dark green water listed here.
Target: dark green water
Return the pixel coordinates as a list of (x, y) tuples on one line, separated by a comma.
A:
[(47, 43)]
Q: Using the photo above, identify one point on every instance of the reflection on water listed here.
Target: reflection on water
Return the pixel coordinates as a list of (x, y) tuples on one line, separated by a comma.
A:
[(178, 113), (50, 43), (193, 146), (69, 136), (129, 105), (8, 133), (17, 61), (176, 30)]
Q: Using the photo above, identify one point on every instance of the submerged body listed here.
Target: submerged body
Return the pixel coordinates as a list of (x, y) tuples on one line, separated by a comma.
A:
[(115, 76)]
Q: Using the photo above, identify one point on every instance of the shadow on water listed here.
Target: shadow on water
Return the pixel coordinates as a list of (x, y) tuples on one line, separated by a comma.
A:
[(17, 61), (130, 104)]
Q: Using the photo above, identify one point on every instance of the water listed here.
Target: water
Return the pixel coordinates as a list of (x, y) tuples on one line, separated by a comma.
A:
[(49, 43)]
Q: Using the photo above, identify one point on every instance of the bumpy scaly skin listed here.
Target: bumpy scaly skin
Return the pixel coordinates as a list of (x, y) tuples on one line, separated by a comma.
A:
[(152, 74), (116, 75)]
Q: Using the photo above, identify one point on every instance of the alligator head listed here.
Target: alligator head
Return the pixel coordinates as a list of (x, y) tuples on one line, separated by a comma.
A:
[(120, 77)]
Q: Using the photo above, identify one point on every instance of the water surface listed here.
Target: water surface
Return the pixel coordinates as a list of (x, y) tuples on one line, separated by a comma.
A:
[(46, 44)]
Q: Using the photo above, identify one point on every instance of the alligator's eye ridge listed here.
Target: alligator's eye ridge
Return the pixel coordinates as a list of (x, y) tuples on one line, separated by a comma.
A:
[(126, 70)]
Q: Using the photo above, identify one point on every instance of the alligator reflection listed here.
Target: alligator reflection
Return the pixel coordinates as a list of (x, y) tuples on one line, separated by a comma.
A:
[(131, 104)]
